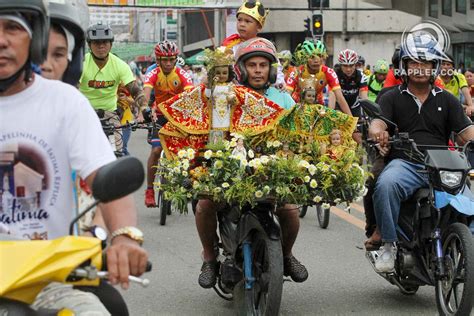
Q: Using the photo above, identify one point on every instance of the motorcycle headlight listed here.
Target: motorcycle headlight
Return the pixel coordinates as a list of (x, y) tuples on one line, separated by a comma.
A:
[(450, 179)]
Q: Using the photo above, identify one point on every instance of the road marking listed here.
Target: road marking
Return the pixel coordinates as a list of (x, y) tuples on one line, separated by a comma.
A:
[(357, 207), (347, 217)]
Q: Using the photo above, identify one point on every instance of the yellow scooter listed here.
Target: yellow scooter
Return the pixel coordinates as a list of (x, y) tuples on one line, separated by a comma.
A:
[(26, 267)]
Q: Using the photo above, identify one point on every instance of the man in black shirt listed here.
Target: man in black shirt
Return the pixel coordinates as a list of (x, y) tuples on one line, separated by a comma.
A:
[(429, 115)]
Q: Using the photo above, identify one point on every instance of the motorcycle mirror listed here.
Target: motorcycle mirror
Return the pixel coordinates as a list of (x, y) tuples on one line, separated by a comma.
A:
[(118, 179), (374, 111)]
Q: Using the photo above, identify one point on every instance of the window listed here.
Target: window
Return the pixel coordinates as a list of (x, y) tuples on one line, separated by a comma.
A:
[(461, 6), (433, 8), (472, 4), (446, 7)]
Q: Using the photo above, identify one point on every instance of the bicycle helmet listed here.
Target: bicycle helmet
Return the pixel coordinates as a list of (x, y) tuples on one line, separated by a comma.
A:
[(421, 46), (73, 17), (35, 13), (251, 48), (361, 60), (166, 49), (381, 67), (308, 49), (100, 32), (347, 57)]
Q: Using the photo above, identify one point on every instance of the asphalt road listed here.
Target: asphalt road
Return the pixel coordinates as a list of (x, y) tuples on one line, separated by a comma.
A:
[(341, 280)]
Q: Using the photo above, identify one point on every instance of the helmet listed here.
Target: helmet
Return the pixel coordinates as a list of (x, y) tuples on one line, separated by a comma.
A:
[(254, 9), (347, 57), (36, 13), (100, 32), (307, 49), (251, 48), (166, 49), (422, 46), (361, 60), (284, 54), (381, 67), (74, 17)]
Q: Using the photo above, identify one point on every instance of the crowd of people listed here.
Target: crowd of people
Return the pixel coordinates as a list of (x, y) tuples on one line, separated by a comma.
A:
[(428, 105)]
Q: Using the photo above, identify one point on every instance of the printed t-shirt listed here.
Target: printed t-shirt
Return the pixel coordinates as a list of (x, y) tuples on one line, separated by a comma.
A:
[(100, 85), (37, 158)]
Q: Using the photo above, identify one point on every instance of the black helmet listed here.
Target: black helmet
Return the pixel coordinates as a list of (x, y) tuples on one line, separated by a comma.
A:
[(99, 32), (36, 14), (361, 60), (73, 15)]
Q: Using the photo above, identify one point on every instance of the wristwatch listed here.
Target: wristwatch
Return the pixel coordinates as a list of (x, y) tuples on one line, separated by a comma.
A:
[(97, 232), (131, 232)]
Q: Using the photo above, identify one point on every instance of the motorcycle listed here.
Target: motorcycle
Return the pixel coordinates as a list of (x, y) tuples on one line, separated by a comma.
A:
[(250, 265), (435, 245), (29, 266)]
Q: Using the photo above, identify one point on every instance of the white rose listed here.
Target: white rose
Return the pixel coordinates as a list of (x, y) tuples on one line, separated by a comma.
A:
[(191, 153), (250, 153), (258, 194), (307, 179), (313, 184), (208, 154), (325, 206), (312, 169), (317, 199), (182, 153)]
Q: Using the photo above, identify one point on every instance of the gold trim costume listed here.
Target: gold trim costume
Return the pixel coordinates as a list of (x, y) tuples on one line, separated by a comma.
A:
[(189, 118)]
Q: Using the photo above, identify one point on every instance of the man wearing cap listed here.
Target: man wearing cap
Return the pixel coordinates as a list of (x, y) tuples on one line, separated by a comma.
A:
[(50, 128)]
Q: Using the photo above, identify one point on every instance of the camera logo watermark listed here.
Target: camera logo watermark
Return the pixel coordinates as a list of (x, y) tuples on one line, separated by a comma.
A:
[(425, 42)]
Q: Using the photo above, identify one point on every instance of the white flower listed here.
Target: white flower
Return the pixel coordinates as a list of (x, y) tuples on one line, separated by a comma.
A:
[(196, 184), (208, 154), (189, 195), (182, 153), (307, 179), (227, 144), (237, 136), (266, 189), (303, 164), (219, 153), (337, 201), (317, 199), (176, 170), (225, 185), (325, 206), (264, 159), (276, 143), (312, 169), (217, 189), (233, 143), (258, 194), (185, 164), (218, 164), (184, 173), (269, 144), (250, 153), (313, 184), (191, 153), (244, 163)]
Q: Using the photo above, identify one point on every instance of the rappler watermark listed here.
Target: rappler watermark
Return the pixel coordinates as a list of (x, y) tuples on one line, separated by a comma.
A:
[(424, 42)]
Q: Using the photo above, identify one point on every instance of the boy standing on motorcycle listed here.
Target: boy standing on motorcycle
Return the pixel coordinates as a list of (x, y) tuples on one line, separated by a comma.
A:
[(429, 115), (254, 69), (73, 139)]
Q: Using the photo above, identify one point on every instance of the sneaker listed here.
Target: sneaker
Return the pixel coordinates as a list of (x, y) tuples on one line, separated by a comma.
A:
[(150, 198), (207, 277), (385, 261), (294, 269)]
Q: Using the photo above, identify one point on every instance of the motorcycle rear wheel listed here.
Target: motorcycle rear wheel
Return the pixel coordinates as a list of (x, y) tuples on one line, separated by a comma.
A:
[(323, 216), (265, 296), (454, 294)]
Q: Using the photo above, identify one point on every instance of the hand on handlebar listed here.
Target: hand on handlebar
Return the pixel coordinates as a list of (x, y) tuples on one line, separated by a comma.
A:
[(383, 145)]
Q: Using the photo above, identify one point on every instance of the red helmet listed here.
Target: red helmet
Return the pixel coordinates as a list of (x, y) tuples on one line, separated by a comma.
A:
[(255, 47), (347, 57), (166, 49)]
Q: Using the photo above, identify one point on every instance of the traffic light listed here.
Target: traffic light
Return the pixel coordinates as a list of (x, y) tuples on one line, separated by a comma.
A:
[(318, 27), (307, 25)]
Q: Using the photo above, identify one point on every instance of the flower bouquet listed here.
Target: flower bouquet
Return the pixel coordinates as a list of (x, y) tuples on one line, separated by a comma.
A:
[(245, 170)]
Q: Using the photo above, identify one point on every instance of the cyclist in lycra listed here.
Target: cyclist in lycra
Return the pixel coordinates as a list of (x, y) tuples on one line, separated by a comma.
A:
[(102, 74), (166, 80)]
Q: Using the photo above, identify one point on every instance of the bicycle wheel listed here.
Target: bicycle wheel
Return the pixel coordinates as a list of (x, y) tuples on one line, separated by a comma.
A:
[(455, 291), (265, 296), (165, 208), (323, 216)]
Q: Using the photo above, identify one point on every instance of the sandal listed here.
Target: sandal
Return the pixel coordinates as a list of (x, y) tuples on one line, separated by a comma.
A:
[(207, 277)]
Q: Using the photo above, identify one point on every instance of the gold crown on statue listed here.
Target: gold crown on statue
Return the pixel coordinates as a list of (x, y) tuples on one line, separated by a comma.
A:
[(254, 9), (221, 56), (307, 83)]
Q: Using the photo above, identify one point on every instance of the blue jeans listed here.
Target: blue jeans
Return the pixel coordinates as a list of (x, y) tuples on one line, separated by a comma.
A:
[(398, 181), (126, 133)]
